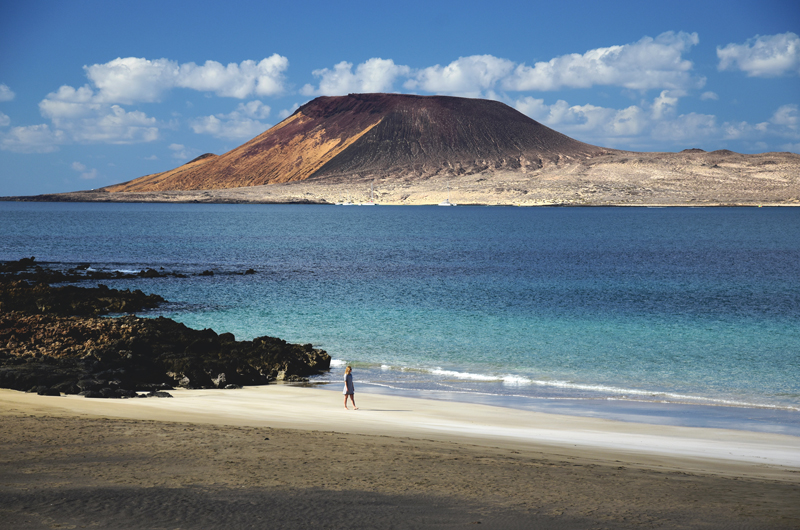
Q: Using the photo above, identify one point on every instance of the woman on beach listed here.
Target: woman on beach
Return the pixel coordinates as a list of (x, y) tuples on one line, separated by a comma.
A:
[(349, 389)]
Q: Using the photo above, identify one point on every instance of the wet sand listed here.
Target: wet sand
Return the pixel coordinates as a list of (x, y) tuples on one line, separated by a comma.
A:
[(287, 457)]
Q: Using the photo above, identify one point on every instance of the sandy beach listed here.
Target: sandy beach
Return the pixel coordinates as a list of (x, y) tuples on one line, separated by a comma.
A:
[(282, 456)]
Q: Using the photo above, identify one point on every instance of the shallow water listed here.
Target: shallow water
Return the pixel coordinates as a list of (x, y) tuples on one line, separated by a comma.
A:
[(591, 309)]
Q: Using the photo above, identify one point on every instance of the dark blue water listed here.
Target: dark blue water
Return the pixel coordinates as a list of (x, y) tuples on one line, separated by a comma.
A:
[(545, 305)]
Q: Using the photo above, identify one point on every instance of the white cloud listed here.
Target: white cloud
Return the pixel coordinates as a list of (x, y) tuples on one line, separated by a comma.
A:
[(763, 56), (285, 113), (685, 128), (32, 139), (181, 152), (92, 113), (467, 76), (647, 64), (4, 120), (6, 94), (89, 175), (664, 105), (110, 125), (81, 168), (705, 96), (784, 123), (69, 102), (653, 125), (131, 79), (786, 116), (651, 63), (374, 75), (242, 123), (587, 121)]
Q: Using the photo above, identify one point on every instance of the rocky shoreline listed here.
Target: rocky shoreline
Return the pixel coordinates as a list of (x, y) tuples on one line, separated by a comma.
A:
[(54, 340)]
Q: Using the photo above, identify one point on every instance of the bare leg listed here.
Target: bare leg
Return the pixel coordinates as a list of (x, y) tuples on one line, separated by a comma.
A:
[(345, 402), (353, 399)]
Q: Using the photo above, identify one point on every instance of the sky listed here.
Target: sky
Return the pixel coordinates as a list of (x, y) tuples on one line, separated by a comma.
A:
[(93, 93)]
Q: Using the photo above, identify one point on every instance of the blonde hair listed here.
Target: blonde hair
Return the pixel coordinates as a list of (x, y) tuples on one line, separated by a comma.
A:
[(348, 370)]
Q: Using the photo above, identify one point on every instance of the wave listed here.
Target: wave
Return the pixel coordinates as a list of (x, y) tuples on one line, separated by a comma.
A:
[(618, 393)]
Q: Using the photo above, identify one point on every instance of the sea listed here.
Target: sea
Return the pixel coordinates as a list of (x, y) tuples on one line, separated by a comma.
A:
[(678, 316)]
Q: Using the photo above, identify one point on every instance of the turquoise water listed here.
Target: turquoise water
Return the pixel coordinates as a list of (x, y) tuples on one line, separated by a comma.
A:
[(586, 310)]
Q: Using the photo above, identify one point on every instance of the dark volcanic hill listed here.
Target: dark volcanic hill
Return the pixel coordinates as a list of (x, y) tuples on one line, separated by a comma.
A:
[(378, 136)]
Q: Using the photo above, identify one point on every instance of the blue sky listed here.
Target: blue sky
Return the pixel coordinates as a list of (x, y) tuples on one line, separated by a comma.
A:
[(98, 92)]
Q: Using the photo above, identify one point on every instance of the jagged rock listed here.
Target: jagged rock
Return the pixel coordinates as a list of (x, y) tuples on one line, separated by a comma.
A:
[(114, 357), (18, 295), (159, 394), (108, 392), (133, 353), (91, 384)]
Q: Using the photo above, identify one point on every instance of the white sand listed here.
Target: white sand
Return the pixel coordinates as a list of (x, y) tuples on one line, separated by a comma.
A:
[(697, 450)]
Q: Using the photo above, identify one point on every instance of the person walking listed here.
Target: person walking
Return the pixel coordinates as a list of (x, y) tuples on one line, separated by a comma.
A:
[(349, 389)]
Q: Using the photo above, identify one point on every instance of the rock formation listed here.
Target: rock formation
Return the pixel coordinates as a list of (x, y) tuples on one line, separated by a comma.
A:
[(45, 347)]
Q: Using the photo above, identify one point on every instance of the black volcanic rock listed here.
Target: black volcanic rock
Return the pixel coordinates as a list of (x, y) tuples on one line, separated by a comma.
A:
[(50, 342), (104, 355)]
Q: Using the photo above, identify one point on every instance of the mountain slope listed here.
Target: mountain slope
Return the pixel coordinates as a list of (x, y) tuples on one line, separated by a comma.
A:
[(377, 136)]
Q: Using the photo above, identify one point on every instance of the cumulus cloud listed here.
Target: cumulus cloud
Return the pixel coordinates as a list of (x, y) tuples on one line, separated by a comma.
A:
[(650, 63), (285, 113), (85, 118), (81, 168), (181, 152), (32, 139), (647, 64), (93, 112), (374, 75), (763, 55), (705, 96), (4, 120), (656, 123), (6, 94), (664, 105), (786, 116), (784, 123), (111, 124), (467, 76), (587, 121), (242, 123), (132, 79), (687, 128)]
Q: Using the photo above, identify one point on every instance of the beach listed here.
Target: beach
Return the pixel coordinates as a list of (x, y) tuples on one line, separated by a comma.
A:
[(284, 456)]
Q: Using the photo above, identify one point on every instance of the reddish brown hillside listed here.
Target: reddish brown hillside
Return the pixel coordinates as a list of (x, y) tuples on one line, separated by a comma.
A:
[(377, 135)]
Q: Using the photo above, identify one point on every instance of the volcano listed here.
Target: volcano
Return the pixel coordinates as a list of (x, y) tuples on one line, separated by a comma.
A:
[(367, 136)]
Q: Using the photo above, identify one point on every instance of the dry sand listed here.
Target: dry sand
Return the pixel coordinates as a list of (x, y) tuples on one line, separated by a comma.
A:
[(288, 457)]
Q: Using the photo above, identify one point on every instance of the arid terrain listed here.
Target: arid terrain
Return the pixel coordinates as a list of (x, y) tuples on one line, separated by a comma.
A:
[(415, 150), (689, 178)]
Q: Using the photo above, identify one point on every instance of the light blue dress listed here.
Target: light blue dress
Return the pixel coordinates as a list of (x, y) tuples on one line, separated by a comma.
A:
[(348, 385)]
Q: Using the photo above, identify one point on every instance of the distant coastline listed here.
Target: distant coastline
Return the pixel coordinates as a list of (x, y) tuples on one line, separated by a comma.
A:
[(689, 178)]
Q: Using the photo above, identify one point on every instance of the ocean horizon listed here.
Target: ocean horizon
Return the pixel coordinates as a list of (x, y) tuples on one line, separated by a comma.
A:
[(686, 316)]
